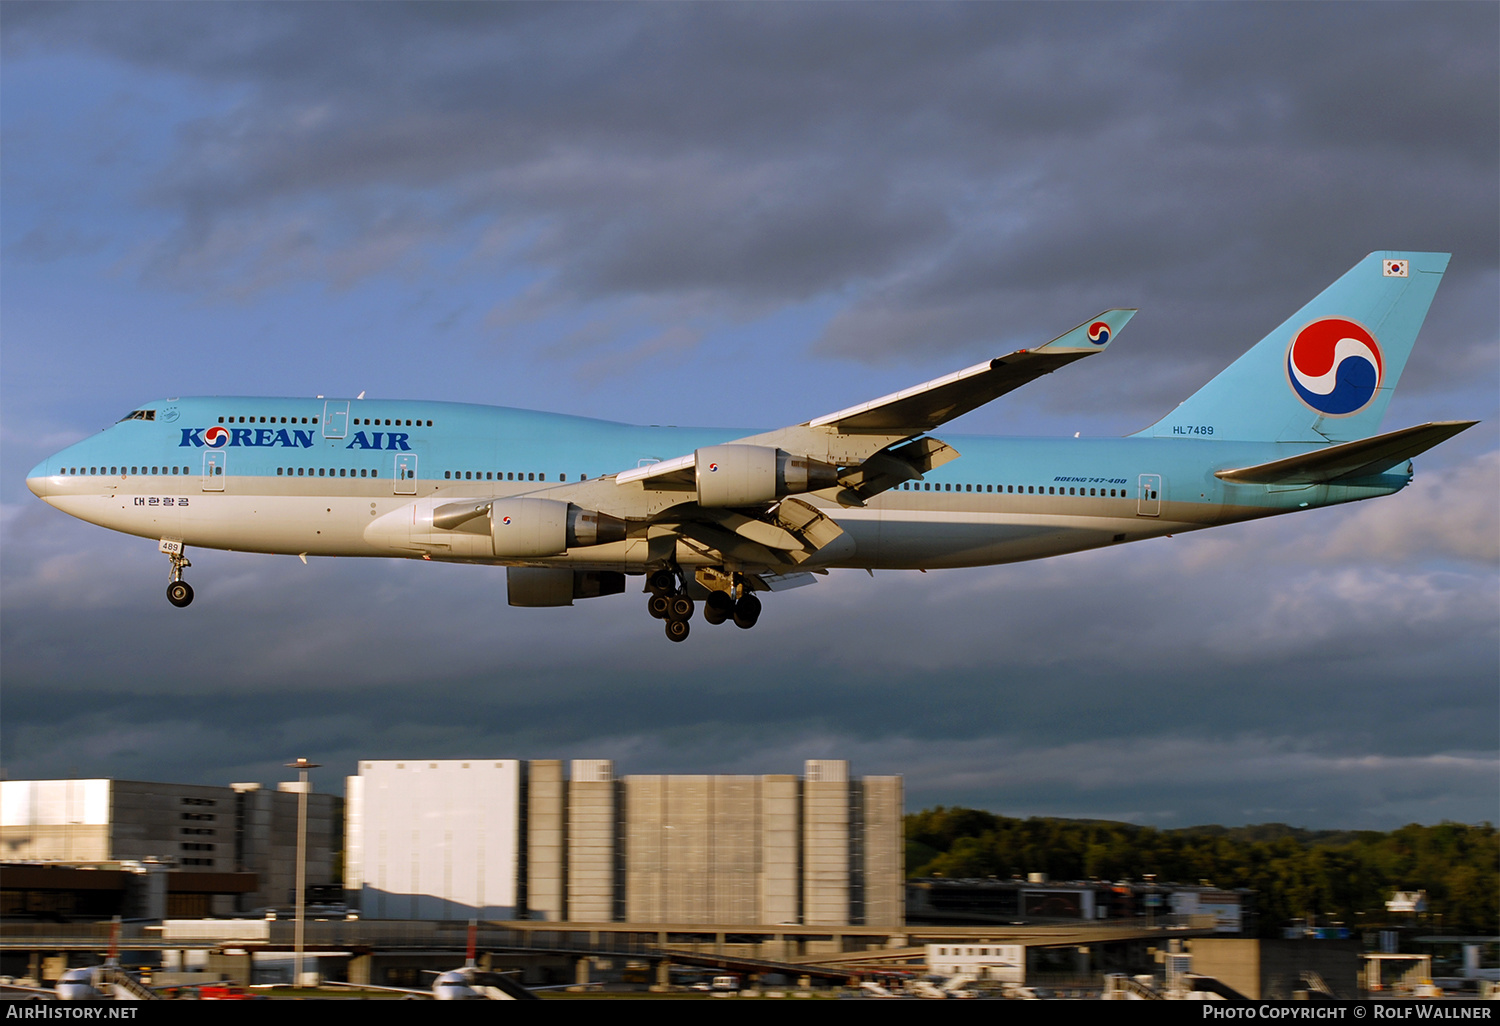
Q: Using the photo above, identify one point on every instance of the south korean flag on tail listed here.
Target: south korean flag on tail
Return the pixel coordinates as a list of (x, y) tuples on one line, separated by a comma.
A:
[(1396, 269)]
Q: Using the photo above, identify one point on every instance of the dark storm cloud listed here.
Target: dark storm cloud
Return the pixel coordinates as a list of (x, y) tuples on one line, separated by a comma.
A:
[(940, 167)]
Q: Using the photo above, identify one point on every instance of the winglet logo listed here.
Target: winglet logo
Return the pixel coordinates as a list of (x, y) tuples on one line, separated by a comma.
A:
[(216, 437), (1099, 333), (713, 468), (1334, 366), (505, 521)]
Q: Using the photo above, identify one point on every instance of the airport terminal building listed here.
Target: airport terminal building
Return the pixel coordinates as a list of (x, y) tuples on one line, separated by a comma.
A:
[(545, 840)]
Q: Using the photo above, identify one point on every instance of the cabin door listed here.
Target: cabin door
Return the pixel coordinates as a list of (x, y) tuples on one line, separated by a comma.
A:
[(406, 473), (335, 418), (214, 462), (1148, 496)]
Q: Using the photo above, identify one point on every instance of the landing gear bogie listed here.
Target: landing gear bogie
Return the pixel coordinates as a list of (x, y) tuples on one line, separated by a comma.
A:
[(729, 598)]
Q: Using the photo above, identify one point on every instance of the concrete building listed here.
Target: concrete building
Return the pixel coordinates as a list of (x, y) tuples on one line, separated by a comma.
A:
[(228, 832), (588, 847), (434, 840)]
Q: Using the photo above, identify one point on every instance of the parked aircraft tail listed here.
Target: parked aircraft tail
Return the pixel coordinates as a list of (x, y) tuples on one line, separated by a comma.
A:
[(1328, 372)]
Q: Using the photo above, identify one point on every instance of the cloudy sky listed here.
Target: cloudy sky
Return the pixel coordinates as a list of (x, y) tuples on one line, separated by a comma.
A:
[(750, 215)]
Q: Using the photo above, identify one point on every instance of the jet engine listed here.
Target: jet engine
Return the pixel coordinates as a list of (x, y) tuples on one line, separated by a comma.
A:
[(749, 475), (547, 527)]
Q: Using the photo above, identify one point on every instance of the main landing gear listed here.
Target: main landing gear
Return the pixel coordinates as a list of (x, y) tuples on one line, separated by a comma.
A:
[(179, 592), (669, 601)]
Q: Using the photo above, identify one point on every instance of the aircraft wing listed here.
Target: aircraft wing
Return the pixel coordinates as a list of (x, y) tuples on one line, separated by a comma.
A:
[(740, 501), (851, 436), (928, 405)]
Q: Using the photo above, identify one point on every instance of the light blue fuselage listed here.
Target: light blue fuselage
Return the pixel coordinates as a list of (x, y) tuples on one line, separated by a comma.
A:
[(302, 476)]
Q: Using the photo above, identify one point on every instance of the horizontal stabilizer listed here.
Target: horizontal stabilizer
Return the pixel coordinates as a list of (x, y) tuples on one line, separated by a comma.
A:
[(1364, 458)]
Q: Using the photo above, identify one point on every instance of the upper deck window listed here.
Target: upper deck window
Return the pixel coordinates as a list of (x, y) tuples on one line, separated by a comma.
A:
[(139, 415)]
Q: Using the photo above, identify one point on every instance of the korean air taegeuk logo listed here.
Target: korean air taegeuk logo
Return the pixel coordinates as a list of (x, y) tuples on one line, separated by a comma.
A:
[(1335, 366)]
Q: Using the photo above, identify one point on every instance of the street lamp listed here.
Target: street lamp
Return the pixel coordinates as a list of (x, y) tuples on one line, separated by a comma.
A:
[(301, 766)]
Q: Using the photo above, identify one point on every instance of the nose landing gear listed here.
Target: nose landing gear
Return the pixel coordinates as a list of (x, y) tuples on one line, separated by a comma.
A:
[(179, 592)]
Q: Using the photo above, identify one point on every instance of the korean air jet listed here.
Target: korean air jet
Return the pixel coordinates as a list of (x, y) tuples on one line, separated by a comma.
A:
[(573, 506)]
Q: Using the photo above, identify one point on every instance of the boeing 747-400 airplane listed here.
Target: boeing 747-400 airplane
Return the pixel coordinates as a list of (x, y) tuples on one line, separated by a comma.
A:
[(572, 506)]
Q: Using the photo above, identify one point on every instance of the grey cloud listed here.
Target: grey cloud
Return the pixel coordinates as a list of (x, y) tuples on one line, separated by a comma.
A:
[(1451, 513), (939, 165)]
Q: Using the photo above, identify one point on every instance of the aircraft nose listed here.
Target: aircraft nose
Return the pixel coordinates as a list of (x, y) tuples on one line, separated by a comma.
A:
[(37, 480)]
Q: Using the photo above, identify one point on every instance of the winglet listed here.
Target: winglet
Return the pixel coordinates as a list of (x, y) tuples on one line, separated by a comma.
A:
[(1090, 336)]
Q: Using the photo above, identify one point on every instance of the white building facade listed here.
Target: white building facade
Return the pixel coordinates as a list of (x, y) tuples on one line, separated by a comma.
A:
[(434, 840)]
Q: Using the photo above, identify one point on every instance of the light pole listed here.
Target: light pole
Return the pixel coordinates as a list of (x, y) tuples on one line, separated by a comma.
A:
[(302, 766)]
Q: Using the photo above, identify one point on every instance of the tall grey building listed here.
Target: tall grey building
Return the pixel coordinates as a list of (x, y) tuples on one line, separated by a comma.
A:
[(585, 846), (186, 828)]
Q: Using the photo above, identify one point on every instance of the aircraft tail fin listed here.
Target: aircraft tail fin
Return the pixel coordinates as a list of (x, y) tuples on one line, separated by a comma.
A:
[(1328, 372)]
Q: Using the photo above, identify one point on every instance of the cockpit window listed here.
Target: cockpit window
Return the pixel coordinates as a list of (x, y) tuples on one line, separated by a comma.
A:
[(139, 415)]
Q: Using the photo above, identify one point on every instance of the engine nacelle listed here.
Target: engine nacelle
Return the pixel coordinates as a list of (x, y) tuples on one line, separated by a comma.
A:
[(748, 475), (546, 586), (547, 527)]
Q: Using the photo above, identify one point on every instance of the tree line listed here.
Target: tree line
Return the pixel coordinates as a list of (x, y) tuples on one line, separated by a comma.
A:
[(1330, 876)]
